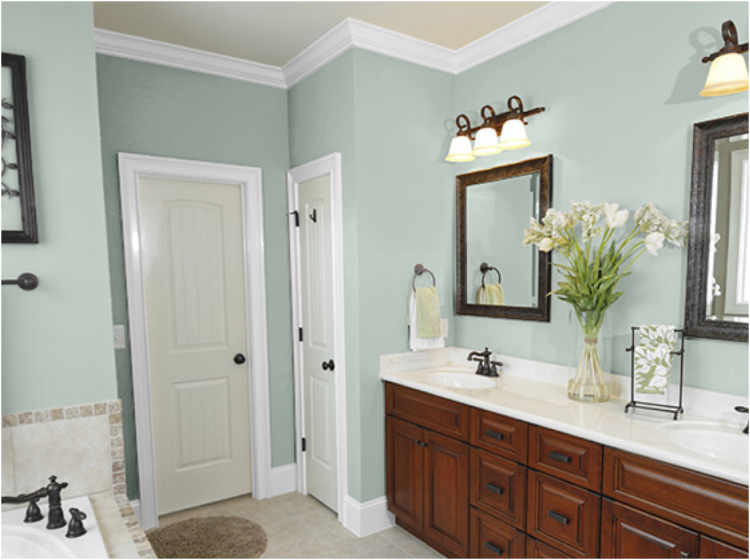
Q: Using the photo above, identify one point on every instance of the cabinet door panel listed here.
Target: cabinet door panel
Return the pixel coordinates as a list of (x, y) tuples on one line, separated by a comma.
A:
[(447, 493), (405, 471), (629, 533)]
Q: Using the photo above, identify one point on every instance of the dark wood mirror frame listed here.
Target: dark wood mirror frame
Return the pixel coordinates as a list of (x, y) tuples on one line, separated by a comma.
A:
[(541, 312), (705, 135)]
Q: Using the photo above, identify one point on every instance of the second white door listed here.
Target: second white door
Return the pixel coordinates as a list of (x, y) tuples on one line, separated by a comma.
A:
[(318, 346), (194, 281)]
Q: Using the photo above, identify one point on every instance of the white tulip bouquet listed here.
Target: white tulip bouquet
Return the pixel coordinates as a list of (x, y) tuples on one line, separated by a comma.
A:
[(595, 267)]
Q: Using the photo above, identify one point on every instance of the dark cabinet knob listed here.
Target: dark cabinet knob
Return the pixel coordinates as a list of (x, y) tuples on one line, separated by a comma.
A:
[(239, 359), (328, 365)]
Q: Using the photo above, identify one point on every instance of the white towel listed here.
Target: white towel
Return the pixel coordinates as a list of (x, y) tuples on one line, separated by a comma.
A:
[(415, 341)]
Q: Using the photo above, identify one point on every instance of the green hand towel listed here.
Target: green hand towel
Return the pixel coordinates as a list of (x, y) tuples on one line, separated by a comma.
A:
[(493, 294), (428, 313)]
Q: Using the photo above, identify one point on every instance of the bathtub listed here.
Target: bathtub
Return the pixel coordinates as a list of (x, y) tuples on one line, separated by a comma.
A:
[(33, 540)]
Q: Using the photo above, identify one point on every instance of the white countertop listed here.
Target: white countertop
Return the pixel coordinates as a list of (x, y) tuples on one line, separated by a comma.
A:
[(536, 392)]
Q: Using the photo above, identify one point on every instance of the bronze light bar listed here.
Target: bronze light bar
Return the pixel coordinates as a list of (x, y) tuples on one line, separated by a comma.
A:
[(509, 125)]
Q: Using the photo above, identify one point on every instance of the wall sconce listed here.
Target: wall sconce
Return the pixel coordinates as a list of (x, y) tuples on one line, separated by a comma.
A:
[(728, 72), (509, 125)]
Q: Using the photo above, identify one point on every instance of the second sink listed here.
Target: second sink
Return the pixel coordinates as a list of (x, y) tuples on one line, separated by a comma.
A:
[(710, 439)]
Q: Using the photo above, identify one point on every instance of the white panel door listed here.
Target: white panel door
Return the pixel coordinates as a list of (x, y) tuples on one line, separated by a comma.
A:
[(316, 271), (194, 282)]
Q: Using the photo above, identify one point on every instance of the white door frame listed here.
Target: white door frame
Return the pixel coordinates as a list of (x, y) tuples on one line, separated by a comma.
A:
[(132, 167), (327, 165)]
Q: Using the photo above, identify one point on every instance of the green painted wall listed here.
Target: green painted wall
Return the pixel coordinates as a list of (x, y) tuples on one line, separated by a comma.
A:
[(159, 111), (57, 340), (621, 91), (383, 115)]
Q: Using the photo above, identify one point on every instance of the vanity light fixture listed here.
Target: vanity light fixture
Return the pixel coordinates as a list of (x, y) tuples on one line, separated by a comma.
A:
[(728, 71), (510, 125)]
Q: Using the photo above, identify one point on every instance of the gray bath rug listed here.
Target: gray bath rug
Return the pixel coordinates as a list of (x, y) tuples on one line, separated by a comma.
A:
[(209, 537)]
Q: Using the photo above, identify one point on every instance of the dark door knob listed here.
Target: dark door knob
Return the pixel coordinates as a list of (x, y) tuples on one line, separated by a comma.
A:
[(329, 365), (239, 359)]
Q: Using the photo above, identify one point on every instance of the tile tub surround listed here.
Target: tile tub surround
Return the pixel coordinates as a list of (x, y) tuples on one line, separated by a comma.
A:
[(83, 446), (536, 392)]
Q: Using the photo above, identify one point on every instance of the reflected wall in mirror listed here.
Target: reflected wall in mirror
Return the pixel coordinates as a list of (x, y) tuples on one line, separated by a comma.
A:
[(718, 278), (496, 275)]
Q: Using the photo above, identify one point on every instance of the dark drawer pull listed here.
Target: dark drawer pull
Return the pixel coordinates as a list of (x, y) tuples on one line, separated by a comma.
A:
[(559, 457), (557, 517), (494, 548), (495, 435), (492, 488)]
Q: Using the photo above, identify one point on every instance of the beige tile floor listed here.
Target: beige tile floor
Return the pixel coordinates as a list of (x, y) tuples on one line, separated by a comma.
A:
[(299, 526)]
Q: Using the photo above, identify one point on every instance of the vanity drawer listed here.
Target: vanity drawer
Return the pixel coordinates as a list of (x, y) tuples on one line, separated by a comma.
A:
[(492, 538), (438, 414), (537, 549), (709, 505), (563, 515), (710, 548), (573, 459), (499, 487), (499, 434)]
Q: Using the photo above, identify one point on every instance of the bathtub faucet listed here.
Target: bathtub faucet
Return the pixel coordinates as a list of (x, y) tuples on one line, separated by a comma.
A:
[(32, 512), (52, 492)]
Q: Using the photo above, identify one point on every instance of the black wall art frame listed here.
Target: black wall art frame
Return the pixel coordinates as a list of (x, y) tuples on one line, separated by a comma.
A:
[(16, 134)]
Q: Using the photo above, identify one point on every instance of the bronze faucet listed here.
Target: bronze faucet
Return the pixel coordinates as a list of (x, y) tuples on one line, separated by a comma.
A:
[(485, 366)]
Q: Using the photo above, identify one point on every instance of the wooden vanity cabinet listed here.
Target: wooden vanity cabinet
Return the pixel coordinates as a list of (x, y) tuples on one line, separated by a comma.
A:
[(519, 490), (427, 482)]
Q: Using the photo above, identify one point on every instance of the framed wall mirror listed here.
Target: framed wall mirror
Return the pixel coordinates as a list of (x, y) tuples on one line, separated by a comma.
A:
[(718, 274), (496, 275)]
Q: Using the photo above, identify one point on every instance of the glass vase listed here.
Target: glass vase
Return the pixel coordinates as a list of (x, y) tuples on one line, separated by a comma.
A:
[(588, 379)]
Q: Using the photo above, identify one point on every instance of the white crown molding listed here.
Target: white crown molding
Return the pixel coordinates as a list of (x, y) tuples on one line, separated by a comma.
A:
[(530, 27), (175, 56), (347, 34), (330, 46)]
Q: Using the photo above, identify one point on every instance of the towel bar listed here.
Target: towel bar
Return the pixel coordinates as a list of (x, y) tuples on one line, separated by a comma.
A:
[(25, 281)]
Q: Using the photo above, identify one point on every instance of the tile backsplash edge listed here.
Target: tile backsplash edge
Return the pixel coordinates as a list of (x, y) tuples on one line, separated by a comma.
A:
[(113, 409)]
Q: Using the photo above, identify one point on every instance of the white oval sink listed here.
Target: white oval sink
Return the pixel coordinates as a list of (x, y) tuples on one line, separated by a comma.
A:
[(27, 542), (462, 380), (709, 439)]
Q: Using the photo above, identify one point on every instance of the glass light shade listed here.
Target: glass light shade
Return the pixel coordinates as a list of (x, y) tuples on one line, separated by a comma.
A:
[(514, 135), (460, 149), (486, 142), (728, 74)]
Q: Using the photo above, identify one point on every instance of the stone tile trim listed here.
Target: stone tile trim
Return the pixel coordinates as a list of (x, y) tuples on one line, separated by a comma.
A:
[(112, 409), (140, 541)]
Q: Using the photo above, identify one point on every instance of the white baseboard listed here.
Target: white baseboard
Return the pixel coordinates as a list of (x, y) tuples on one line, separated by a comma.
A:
[(283, 479), (136, 505), (364, 519)]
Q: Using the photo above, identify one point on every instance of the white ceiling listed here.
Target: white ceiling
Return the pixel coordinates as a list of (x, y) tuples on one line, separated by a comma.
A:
[(275, 32)]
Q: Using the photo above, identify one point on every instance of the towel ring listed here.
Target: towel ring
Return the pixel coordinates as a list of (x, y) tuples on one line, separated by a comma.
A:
[(484, 268), (418, 271)]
